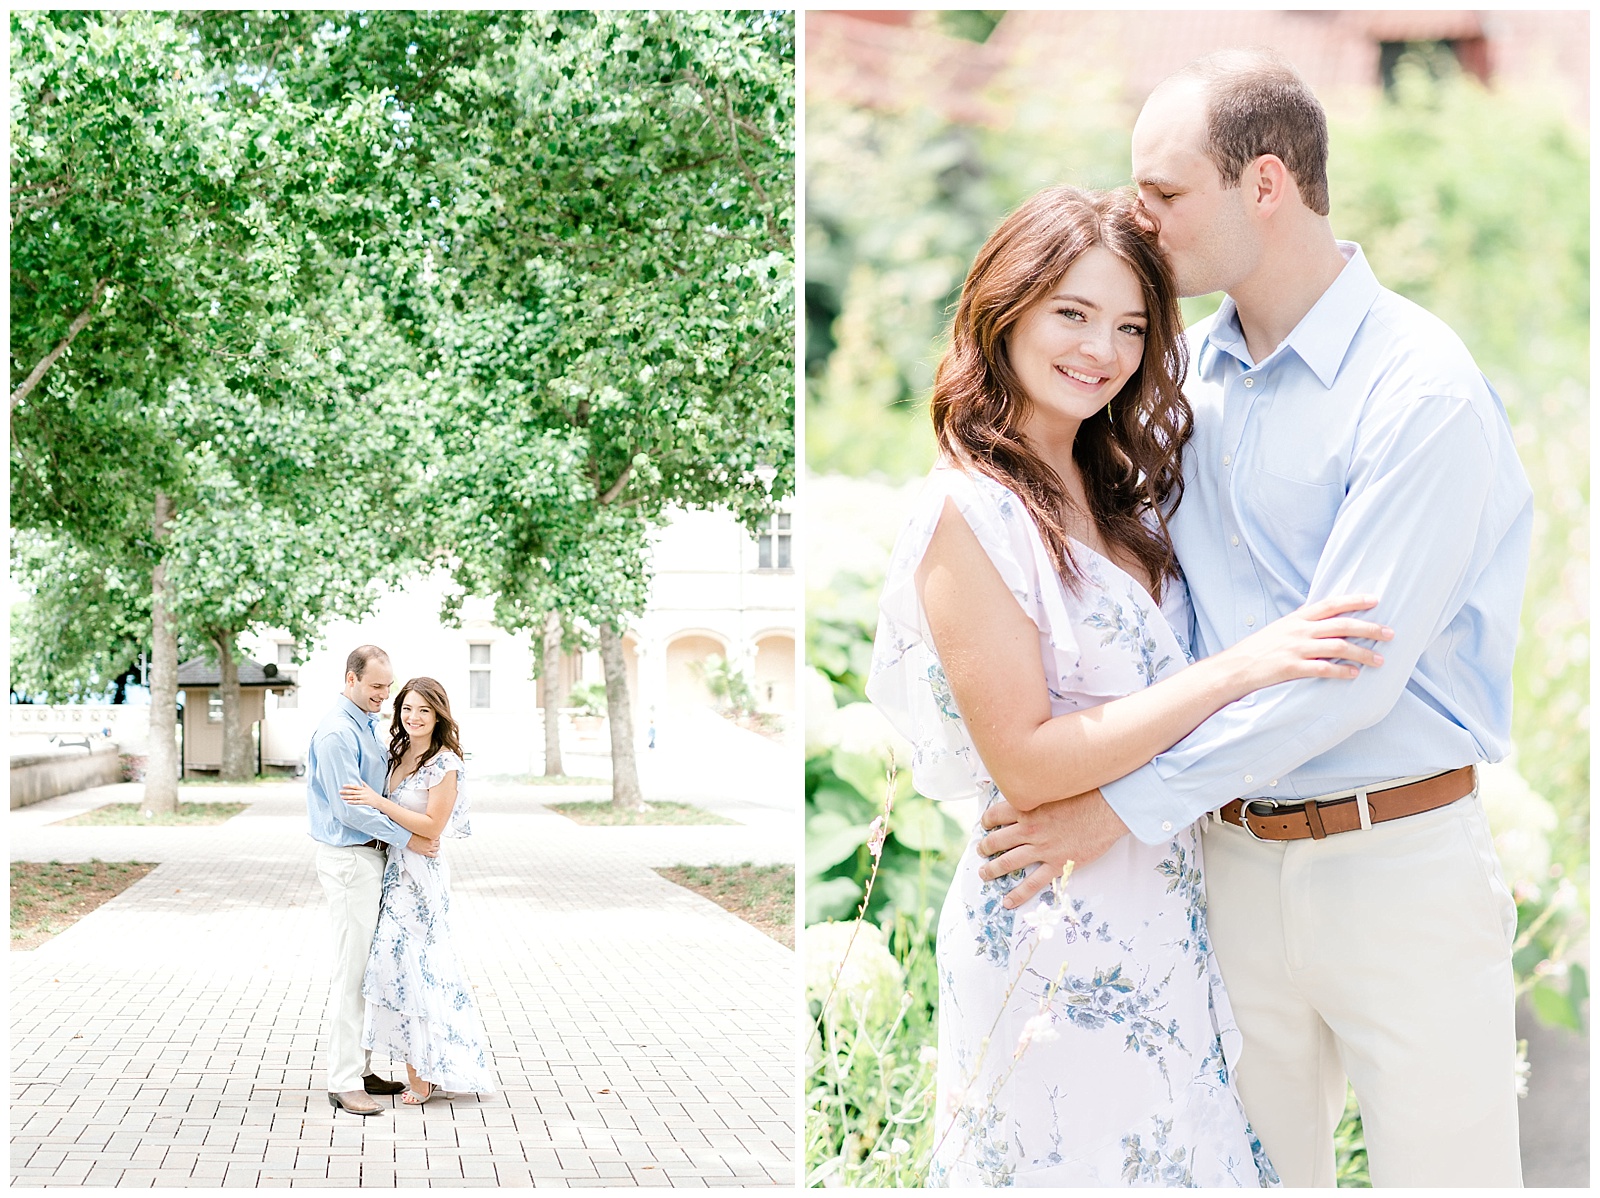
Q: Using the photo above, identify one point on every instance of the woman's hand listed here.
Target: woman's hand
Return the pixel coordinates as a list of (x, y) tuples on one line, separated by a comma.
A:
[(1314, 641), (360, 794)]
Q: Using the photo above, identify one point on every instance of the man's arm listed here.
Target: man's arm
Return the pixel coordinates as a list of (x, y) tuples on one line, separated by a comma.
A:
[(1406, 531), (337, 764)]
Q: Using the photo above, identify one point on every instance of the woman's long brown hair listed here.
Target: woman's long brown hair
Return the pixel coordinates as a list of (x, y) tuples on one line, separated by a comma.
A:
[(446, 733), (1130, 457)]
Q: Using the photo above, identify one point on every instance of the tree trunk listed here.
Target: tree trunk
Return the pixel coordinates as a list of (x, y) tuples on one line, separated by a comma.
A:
[(625, 791), (550, 696), (161, 772), (238, 754)]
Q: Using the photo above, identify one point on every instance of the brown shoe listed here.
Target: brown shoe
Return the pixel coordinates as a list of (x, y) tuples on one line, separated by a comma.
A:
[(373, 1084), (354, 1101)]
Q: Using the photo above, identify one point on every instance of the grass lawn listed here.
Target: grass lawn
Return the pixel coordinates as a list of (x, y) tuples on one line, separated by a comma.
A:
[(602, 812), (761, 895), (131, 814), (50, 898)]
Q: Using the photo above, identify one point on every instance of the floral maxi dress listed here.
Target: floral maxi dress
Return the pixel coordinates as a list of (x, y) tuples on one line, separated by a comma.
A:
[(1084, 1039), (419, 1003)]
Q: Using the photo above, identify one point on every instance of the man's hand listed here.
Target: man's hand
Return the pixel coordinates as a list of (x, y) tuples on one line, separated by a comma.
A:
[(421, 844), (1078, 829)]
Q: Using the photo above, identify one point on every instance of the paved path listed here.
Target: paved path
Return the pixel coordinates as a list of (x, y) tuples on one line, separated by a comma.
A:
[(641, 1034)]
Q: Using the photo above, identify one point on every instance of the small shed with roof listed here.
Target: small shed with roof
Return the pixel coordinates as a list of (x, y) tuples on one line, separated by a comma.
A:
[(201, 683)]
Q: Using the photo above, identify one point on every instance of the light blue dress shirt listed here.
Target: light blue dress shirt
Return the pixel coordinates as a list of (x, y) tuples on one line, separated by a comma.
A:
[(343, 748), (1367, 453)]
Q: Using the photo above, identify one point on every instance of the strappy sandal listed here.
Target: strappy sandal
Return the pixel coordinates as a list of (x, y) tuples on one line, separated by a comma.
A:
[(412, 1098)]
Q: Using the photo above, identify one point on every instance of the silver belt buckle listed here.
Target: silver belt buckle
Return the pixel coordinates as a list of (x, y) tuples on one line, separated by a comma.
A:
[(1274, 804)]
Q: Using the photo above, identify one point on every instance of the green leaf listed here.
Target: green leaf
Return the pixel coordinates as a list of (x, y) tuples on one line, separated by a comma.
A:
[(831, 794), (868, 775), (831, 898), (1553, 1006), (918, 824), (830, 839)]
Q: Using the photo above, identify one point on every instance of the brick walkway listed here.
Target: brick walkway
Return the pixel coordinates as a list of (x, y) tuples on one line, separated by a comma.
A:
[(642, 1035)]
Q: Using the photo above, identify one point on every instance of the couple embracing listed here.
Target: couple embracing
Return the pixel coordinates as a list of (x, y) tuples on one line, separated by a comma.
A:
[(1231, 851), (378, 815)]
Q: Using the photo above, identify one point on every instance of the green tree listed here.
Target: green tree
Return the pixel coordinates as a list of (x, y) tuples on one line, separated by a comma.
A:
[(590, 246), (170, 214), (84, 624)]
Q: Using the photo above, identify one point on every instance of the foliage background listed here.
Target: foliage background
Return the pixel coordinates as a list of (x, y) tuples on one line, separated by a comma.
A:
[(302, 301), (1487, 225)]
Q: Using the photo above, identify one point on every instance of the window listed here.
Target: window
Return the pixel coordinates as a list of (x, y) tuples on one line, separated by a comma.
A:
[(289, 698), (213, 707), (478, 675), (1438, 57), (772, 545)]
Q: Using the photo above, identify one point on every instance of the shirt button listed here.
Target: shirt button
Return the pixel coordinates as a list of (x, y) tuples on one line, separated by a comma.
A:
[(1234, 540), (1249, 621), (1166, 825), (1249, 382), (1227, 459), (1249, 778), (1274, 782)]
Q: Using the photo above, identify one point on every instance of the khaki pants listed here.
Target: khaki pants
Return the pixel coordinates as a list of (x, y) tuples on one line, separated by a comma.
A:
[(352, 878), (1384, 956)]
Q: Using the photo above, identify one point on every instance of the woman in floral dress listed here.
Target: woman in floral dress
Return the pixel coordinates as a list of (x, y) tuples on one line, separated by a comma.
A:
[(1033, 644), (419, 1003)]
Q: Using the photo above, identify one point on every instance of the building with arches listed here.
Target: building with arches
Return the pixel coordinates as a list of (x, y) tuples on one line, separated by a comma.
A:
[(717, 595)]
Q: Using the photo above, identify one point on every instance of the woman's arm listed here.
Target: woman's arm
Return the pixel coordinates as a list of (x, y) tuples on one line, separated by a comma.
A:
[(990, 652), (429, 823)]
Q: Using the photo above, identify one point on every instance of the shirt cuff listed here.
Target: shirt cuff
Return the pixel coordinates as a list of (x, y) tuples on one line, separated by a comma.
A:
[(1147, 805)]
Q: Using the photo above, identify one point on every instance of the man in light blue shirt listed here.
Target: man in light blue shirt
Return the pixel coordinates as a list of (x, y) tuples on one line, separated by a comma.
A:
[(350, 862), (1344, 443)]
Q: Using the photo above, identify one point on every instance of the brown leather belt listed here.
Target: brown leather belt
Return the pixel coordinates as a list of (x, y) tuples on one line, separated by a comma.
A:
[(1314, 819)]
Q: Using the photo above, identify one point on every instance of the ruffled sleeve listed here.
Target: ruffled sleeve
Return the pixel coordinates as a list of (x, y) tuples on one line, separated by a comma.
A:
[(907, 682), (430, 775)]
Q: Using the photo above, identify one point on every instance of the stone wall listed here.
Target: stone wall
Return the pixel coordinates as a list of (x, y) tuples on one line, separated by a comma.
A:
[(43, 775)]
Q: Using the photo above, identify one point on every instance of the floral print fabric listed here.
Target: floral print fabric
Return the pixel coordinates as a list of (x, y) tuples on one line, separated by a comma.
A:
[(419, 1003), (1084, 1039)]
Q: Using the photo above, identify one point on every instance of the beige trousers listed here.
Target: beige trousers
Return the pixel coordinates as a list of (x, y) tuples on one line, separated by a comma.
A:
[(352, 878), (1384, 956)]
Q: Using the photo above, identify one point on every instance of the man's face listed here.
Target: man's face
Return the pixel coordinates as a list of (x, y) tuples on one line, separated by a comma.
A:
[(370, 691), (1202, 226)]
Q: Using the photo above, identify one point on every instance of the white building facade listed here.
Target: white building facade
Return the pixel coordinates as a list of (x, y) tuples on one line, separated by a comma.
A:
[(716, 592)]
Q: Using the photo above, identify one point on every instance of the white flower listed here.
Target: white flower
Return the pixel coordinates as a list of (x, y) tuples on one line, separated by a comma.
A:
[(1042, 921), (898, 1147), (820, 709), (1523, 1068), (927, 1055), (1521, 820), (1038, 1030), (862, 728), (877, 833), (871, 981)]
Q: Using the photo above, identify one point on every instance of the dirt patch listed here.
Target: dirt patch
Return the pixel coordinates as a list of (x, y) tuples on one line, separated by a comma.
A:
[(603, 812), (132, 815), (48, 898), (761, 895)]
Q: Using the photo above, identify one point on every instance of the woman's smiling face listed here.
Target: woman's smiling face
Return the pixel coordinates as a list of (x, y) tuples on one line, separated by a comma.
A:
[(418, 719), (1074, 349)]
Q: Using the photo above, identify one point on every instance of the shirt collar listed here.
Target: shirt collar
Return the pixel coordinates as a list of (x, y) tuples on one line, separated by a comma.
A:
[(1323, 336), (370, 719)]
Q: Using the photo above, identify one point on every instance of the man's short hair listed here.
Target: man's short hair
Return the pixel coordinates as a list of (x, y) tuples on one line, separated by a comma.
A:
[(1258, 104), (356, 663)]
